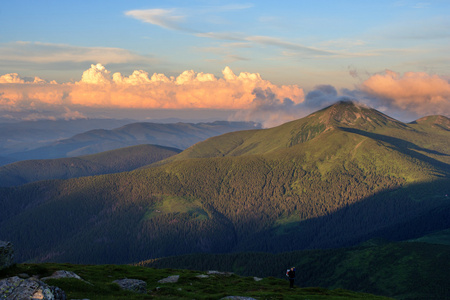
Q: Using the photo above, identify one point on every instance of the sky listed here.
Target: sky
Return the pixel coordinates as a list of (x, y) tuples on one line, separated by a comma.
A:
[(264, 61)]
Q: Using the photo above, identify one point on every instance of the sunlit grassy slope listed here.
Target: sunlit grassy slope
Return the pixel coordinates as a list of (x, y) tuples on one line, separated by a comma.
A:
[(99, 284), (407, 270)]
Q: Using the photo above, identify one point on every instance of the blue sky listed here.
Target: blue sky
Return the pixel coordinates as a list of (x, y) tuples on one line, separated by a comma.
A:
[(365, 36), (304, 43)]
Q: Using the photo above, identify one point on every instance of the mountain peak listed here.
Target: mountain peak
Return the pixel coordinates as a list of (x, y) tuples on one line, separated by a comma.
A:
[(351, 114)]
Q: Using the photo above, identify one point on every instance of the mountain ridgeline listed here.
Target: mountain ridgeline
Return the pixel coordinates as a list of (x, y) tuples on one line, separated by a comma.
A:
[(175, 135), (336, 178), (113, 161)]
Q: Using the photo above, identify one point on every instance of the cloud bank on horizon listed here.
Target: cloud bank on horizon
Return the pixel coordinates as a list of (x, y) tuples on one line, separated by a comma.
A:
[(413, 94)]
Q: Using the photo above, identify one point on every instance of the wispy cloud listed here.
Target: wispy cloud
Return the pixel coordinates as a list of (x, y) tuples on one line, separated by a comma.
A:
[(166, 18), (226, 8), (267, 41), (173, 19), (272, 41), (44, 53)]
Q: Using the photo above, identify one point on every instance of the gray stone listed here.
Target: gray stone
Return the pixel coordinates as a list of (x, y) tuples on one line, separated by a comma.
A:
[(17, 288), (170, 279), (257, 279), (202, 276), (6, 255), (219, 273), (62, 274), (134, 285)]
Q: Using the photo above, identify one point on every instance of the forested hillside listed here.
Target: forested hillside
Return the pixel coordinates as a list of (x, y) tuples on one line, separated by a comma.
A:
[(336, 178), (113, 161)]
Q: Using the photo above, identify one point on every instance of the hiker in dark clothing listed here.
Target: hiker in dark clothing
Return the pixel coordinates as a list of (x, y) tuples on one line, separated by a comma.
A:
[(290, 273)]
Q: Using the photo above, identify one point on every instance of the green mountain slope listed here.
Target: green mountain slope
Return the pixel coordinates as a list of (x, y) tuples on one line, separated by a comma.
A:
[(113, 161), (336, 178), (342, 116), (400, 270)]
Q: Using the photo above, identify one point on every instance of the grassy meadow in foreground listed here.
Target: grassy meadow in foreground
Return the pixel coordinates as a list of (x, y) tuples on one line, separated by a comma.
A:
[(98, 284)]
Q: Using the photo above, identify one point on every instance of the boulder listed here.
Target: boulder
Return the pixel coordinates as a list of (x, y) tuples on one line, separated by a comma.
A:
[(134, 285), (170, 279), (6, 255), (18, 288), (63, 274), (220, 273)]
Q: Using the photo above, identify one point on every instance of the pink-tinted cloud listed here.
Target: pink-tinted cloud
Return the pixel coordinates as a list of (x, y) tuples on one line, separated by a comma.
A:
[(98, 88), (11, 78), (256, 99), (416, 92)]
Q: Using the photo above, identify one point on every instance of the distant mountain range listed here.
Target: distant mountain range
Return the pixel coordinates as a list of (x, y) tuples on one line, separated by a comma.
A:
[(28, 135), (113, 161), (339, 177), (47, 140)]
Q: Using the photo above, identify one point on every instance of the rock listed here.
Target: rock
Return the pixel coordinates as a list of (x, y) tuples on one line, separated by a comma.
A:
[(18, 288), (6, 255), (134, 285), (170, 279), (58, 293), (237, 298), (202, 276), (220, 273), (63, 274), (257, 279)]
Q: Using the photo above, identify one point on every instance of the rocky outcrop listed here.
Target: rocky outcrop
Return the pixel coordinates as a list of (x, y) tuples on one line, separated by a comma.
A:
[(170, 279), (220, 273), (6, 255), (16, 288), (134, 285), (62, 274)]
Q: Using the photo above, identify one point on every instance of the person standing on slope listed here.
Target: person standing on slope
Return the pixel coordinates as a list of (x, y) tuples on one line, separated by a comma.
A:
[(290, 273)]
